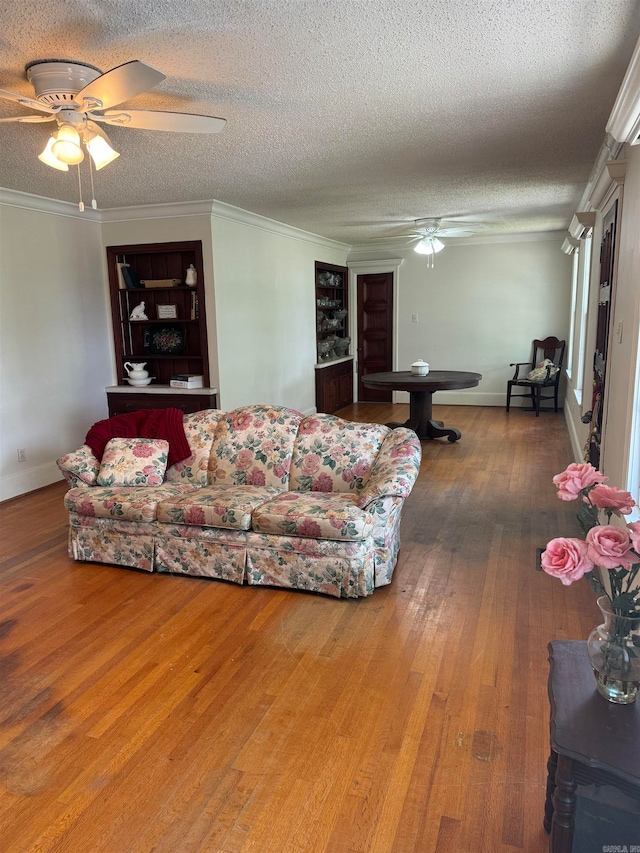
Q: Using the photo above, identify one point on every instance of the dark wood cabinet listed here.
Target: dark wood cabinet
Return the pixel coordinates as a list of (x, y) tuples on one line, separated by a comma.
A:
[(123, 400), (334, 386), (334, 365), (172, 337)]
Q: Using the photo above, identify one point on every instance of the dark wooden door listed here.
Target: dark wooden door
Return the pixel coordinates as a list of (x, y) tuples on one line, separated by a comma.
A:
[(375, 331), (607, 258)]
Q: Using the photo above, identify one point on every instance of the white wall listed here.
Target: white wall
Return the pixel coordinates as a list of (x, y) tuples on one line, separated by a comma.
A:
[(479, 309), (266, 304), (55, 349)]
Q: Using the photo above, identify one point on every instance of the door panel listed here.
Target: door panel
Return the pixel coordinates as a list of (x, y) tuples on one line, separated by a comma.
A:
[(607, 258), (375, 331)]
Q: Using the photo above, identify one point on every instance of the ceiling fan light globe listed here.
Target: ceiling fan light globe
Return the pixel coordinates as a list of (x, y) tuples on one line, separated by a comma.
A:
[(424, 247), (438, 245), (50, 158), (67, 145), (101, 152), (68, 152)]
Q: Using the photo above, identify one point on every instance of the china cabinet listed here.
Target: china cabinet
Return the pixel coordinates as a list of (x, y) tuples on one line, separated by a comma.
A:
[(334, 365), (160, 320)]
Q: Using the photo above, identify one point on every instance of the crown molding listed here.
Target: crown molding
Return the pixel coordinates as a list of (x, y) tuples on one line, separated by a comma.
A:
[(624, 121), (617, 170), (219, 210), (40, 204), (582, 222), (611, 173), (384, 265), (168, 210), (222, 210), (570, 245)]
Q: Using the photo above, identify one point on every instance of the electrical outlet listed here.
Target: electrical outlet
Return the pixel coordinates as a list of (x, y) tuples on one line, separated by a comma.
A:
[(22, 454), (414, 318)]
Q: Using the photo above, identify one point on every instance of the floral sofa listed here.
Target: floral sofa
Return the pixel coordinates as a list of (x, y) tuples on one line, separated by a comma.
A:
[(267, 496)]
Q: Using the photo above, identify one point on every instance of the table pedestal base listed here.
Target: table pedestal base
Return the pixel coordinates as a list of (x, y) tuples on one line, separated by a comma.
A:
[(421, 420)]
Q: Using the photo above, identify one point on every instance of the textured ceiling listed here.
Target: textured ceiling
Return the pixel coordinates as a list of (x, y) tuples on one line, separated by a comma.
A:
[(346, 118)]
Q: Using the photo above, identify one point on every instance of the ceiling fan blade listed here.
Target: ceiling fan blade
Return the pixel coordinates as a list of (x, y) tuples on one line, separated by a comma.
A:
[(406, 238), (120, 84), (30, 118), (460, 232), (152, 120), (25, 101)]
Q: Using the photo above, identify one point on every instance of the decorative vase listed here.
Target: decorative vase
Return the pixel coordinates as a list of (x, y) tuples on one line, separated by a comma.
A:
[(191, 276), (614, 651)]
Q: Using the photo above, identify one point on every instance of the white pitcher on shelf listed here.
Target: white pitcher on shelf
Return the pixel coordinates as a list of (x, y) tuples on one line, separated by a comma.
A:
[(136, 370)]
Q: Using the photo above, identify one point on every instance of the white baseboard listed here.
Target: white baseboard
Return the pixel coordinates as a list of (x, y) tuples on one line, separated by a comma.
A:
[(28, 481), (576, 446)]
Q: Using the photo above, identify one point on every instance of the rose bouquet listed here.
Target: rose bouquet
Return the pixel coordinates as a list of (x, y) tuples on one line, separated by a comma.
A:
[(609, 555)]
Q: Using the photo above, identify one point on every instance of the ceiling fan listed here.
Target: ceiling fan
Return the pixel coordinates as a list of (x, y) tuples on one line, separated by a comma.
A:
[(426, 234), (77, 96)]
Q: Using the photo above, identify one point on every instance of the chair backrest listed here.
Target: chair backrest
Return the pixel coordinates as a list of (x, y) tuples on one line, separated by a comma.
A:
[(550, 348)]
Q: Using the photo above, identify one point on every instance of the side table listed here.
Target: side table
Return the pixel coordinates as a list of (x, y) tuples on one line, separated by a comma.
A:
[(593, 784)]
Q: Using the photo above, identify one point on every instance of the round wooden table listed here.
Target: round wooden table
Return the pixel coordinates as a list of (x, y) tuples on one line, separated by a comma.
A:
[(421, 390)]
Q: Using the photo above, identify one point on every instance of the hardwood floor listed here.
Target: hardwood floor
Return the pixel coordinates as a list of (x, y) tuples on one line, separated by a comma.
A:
[(148, 713)]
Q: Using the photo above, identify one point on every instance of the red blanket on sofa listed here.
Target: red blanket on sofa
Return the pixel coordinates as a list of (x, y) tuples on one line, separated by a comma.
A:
[(147, 423)]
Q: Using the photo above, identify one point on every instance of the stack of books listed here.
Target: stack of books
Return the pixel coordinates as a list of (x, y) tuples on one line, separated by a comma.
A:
[(186, 380)]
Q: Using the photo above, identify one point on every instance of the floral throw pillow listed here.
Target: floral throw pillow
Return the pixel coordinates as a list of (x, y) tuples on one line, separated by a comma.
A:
[(539, 373), (133, 462)]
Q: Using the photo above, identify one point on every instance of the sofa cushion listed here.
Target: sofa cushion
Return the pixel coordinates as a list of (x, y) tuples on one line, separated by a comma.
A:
[(133, 462), (216, 506), (132, 503), (334, 455), (253, 446), (199, 427), (313, 515)]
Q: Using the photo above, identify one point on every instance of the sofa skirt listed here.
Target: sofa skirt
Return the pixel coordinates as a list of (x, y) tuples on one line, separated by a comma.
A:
[(343, 569), (109, 540)]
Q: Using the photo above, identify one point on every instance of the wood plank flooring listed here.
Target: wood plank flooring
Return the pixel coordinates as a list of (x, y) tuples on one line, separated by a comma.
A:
[(145, 713)]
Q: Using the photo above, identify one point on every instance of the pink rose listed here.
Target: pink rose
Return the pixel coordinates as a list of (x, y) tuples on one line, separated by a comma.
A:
[(86, 508), (143, 450), (577, 476), (347, 475), (242, 421), (609, 546), (154, 480), (256, 478), (194, 515), (361, 468), (336, 452), (336, 522), (308, 425), (634, 535), (244, 459), (310, 464), (611, 498), (322, 483), (402, 451), (309, 528), (328, 588), (566, 559)]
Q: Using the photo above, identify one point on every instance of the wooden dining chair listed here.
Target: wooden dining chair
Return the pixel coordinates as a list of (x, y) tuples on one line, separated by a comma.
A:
[(537, 374)]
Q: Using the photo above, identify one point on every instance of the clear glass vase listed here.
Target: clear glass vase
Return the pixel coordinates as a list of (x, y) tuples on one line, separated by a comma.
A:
[(614, 651)]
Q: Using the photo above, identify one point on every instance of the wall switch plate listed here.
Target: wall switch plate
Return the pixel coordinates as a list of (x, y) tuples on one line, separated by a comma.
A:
[(414, 318), (22, 454)]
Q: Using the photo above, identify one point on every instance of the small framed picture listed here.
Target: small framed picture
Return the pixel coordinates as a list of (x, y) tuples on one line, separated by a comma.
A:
[(167, 312)]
